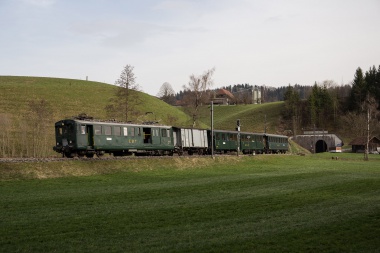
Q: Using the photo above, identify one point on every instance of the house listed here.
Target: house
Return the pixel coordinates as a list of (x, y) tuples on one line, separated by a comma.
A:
[(359, 144), (223, 97), (248, 96)]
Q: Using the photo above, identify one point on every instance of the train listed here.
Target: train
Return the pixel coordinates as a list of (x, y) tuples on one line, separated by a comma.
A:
[(79, 137)]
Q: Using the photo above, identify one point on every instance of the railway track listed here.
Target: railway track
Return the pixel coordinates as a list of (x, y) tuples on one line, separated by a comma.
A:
[(104, 158), (59, 159)]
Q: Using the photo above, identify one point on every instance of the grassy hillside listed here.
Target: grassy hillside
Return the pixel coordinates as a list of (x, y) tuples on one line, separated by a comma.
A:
[(253, 118), (68, 97), (64, 98)]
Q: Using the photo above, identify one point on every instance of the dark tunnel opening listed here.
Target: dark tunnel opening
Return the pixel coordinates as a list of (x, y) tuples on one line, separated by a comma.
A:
[(320, 146)]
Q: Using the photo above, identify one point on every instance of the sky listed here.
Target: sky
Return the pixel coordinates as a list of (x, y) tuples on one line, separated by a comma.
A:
[(259, 42)]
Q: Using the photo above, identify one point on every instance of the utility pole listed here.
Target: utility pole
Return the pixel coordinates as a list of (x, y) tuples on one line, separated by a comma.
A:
[(238, 136), (265, 123), (212, 129), (314, 140), (368, 118)]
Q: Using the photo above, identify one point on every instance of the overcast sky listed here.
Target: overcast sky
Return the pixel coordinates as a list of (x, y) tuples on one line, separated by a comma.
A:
[(260, 42)]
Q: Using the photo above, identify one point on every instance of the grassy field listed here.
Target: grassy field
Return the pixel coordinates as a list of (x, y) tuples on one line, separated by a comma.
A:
[(267, 203)]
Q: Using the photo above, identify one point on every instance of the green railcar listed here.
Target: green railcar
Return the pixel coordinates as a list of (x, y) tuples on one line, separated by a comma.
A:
[(225, 141), (248, 143), (86, 138), (276, 143), (252, 143)]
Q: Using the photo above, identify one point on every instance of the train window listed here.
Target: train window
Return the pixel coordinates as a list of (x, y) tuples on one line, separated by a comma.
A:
[(125, 130), (107, 130), (97, 130), (132, 131), (59, 130), (164, 132), (83, 129), (223, 137), (70, 128), (117, 131)]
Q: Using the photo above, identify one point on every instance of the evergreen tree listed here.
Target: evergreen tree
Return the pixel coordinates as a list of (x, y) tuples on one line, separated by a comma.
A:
[(372, 82), (358, 91), (312, 101), (320, 106), (292, 107)]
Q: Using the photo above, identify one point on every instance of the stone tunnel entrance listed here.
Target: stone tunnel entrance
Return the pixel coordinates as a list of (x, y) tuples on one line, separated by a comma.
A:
[(320, 146), (318, 141)]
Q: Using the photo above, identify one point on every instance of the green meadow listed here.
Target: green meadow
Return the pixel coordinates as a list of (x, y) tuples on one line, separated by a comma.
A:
[(266, 203)]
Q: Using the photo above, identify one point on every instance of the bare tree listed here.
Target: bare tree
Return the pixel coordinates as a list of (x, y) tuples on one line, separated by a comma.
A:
[(166, 93), (5, 134), (38, 117), (353, 123), (370, 107), (198, 87), (124, 103)]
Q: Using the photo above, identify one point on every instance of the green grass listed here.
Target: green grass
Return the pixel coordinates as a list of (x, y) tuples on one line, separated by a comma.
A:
[(249, 204), (69, 97), (252, 117)]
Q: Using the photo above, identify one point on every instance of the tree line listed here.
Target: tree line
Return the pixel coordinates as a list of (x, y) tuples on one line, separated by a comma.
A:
[(342, 108), (325, 105)]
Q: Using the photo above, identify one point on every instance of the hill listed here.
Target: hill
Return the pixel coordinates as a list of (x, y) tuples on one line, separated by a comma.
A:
[(21, 99), (61, 98), (253, 118), (68, 97)]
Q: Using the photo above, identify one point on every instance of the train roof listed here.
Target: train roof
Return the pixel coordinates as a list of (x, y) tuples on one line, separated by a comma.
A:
[(277, 135), (112, 123), (235, 132)]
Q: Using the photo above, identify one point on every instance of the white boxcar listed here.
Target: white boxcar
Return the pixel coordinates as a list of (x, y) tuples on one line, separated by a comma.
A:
[(191, 140)]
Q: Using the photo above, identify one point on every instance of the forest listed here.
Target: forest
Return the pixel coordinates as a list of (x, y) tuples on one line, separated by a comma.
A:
[(349, 109)]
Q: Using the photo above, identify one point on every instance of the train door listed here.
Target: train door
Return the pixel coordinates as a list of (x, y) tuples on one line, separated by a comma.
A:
[(147, 135), (90, 136), (266, 140)]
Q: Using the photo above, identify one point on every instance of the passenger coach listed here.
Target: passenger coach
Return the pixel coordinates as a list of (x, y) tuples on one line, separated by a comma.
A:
[(86, 138)]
